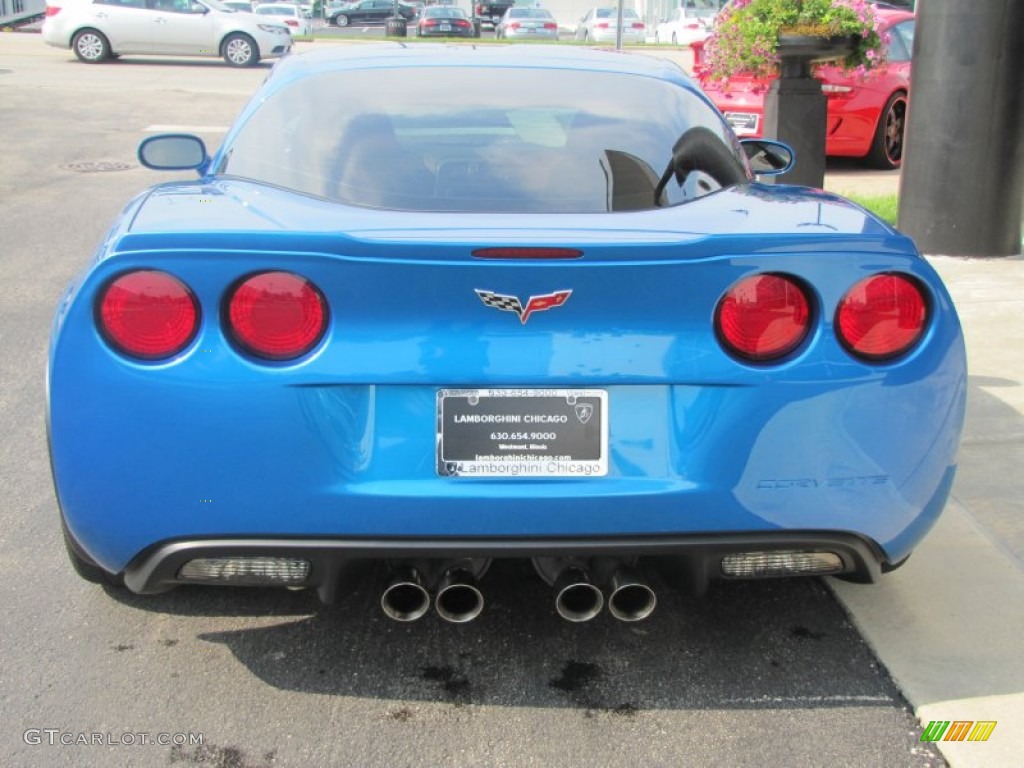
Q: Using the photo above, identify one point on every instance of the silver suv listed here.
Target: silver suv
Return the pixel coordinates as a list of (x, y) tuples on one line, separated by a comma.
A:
[(97, 30)]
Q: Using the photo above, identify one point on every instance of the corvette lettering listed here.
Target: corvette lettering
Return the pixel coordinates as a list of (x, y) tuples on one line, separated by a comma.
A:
[(513, 304)]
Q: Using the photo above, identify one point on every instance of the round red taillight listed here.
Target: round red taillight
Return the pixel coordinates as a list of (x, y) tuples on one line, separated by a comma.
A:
[(148, 314), (882, 316), (276, 315), (763, 317)]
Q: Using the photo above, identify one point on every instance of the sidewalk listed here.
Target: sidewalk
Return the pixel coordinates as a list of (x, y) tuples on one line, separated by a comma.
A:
[(949, 625), (847, 176)]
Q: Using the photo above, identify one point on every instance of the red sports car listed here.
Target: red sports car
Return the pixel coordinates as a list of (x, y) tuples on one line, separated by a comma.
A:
[(866, 115)]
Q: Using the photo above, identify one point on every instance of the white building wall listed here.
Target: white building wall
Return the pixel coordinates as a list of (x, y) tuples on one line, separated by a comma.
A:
[(16, 10)]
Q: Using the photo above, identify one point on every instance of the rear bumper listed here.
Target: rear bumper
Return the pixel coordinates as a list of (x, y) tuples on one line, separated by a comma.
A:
[(275, 48), (356, 463), (692, 561), (605, 36), (525, 35)]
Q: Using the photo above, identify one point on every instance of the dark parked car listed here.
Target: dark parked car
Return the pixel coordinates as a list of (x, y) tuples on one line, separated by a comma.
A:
[(491, 12), (368, 12), (527, 23), (445, 21)]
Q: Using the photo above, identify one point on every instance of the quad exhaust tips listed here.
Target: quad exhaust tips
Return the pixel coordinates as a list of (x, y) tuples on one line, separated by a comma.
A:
[(577, 598), (405, 598)]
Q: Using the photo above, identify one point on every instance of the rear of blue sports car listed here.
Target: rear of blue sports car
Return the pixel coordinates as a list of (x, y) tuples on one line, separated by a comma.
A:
[(465, 323)]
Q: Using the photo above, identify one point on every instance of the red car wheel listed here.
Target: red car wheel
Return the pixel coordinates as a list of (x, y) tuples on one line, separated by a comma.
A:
[(887, 145)]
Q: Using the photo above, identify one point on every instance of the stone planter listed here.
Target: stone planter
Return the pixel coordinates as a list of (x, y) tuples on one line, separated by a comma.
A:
[(795, 109)]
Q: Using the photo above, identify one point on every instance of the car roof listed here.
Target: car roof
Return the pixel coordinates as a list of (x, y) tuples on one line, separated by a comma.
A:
[(389, 55)]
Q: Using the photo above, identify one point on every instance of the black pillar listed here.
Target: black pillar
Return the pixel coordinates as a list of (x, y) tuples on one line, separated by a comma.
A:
[(793, 107), (962, 186), (796, 113)]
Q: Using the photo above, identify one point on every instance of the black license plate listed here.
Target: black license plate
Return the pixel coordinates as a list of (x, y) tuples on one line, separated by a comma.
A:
[(522, 432)]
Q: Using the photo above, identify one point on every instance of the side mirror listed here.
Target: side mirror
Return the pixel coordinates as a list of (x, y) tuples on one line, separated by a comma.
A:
[(174, 152), (768, 157), (198, 9)]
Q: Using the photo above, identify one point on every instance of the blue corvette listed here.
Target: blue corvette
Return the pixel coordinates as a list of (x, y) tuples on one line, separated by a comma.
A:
[(428, 306)]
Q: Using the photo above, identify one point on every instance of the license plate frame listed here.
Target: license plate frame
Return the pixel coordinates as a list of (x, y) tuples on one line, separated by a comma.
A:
[(526, 432)]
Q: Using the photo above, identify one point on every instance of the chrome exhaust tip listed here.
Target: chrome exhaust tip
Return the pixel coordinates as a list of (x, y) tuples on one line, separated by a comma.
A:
[(405, 598), (458, 598), (577, 599), (632, 598)]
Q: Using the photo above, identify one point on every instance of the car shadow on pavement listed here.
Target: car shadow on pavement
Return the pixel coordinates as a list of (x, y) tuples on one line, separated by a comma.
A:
[(191, 63)]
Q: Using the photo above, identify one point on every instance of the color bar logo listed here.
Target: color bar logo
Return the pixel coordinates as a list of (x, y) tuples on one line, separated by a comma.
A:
[(958, 730)]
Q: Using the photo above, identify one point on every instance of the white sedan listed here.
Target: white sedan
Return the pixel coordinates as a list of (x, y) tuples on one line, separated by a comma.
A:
[(98, 31), (688, 23), (291, 14), (599, 25)]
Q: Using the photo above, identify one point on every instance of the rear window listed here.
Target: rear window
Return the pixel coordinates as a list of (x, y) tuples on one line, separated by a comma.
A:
[(444, 12), (529, 13), (609, 13), (475, 139)]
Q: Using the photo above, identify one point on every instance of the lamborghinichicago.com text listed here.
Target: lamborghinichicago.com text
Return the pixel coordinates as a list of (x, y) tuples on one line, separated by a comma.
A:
[(55, 737)]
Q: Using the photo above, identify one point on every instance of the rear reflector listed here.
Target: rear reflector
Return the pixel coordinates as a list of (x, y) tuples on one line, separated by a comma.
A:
[(148, 314), (277, 315), (756, 565), (253, 571), (882, 316)]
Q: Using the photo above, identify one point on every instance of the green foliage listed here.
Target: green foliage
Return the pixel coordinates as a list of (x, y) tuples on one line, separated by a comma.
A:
[(884, 206), (746, 35)]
